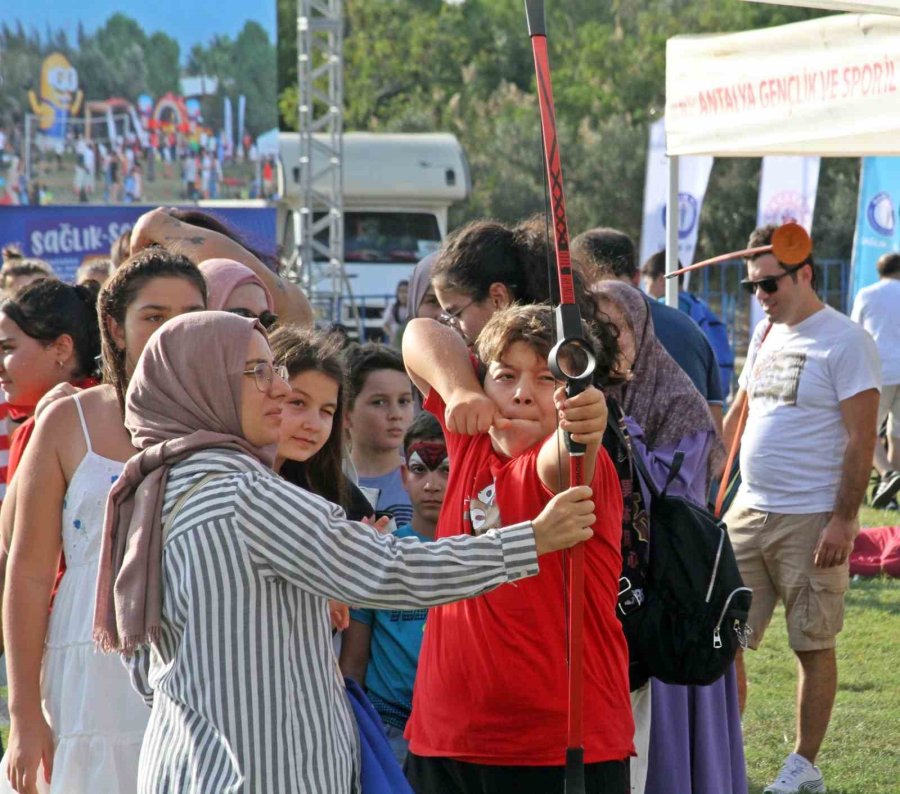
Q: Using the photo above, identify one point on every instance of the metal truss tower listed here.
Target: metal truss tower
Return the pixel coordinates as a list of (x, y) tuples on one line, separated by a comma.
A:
[(320, 113)]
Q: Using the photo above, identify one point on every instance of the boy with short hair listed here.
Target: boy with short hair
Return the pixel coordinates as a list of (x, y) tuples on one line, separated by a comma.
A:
[(381, 646), (489, 705), (380, 410)]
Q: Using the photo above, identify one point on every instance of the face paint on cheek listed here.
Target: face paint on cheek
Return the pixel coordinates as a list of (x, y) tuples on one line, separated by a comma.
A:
[(430, 454)]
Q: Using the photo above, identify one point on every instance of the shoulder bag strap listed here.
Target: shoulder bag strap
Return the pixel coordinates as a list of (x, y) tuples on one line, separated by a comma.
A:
[(736, 440), (182, 499)]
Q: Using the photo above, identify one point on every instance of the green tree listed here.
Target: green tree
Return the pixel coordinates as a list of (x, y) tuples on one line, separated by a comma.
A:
[(419, 65), (163, 57)]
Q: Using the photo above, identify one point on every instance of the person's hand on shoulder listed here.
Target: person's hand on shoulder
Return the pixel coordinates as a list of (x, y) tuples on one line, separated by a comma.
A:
[(565, 521)]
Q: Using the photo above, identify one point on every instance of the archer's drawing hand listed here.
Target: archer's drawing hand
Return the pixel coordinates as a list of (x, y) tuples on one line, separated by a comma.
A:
[(472, 412)]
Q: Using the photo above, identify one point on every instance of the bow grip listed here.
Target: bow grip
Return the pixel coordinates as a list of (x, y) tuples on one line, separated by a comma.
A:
[(575, 386)]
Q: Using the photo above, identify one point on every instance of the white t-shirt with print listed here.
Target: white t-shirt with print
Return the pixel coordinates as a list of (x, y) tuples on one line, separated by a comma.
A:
[(793, 447), (877, 309)]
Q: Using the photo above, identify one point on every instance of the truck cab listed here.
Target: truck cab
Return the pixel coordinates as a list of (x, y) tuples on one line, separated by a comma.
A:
[(398, 189)]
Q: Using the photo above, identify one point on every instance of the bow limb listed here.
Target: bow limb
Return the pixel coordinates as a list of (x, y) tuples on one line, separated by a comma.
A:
[(571, 360)]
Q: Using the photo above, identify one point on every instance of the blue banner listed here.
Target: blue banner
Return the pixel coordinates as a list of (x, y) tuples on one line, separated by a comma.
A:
[(66, 236), (877, 222)]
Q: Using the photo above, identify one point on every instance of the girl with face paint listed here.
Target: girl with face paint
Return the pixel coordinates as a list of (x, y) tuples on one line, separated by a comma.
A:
[(381, 647)]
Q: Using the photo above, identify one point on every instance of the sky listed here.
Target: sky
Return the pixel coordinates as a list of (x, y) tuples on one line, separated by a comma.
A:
[(187, 21)]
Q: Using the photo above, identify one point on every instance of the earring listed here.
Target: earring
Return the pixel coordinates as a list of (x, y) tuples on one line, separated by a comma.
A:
[(60, 364)]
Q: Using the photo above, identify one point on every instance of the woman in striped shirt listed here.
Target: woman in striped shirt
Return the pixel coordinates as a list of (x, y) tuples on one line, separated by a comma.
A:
[(225, 570)]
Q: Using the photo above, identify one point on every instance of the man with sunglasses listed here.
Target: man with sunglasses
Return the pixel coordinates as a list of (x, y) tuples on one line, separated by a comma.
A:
[(812, 378)]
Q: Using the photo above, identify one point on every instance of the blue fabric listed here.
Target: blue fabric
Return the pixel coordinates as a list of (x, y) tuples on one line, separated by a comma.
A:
[(392, 496), (715, 331), (379, 772), (685, 342), (394, 651)]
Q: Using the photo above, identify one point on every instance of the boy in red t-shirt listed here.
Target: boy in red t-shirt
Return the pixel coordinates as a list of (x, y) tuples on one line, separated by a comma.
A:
[(489, 704)]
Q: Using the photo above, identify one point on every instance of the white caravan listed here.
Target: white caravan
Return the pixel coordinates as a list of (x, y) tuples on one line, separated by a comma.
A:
[(398, 189)]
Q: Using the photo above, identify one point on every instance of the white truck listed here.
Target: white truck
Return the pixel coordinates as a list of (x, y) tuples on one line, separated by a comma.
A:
[(397, 191)]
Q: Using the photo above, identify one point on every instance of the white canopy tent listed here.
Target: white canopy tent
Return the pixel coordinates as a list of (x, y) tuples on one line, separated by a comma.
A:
[(860, 6), (828, 86)]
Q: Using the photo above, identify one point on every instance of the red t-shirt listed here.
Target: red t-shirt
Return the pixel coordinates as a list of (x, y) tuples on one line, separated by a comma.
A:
[(491, 681)]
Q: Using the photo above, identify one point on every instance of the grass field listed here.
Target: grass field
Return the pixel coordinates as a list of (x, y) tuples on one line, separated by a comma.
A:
[(861, 754)]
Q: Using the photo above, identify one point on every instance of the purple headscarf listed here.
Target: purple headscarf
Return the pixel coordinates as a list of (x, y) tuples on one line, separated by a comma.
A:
[(660, 397)]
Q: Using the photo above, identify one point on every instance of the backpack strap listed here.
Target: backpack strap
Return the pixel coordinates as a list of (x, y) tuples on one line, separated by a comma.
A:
[(182, 499), (637, 461), (677, 460), (637, 464)]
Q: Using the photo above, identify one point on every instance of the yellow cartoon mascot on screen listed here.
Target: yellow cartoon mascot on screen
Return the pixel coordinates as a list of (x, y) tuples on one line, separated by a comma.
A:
[(59, 97)]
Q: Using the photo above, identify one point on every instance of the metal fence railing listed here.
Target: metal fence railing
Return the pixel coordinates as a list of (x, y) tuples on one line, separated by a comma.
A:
[(361, 315), (720, 287)]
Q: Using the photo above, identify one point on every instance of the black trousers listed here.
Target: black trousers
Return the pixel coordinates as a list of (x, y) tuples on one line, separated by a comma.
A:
[(446, 776)]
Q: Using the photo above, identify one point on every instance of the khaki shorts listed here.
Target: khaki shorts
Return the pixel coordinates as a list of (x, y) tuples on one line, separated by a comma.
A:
[(775, 555), (889, 406)]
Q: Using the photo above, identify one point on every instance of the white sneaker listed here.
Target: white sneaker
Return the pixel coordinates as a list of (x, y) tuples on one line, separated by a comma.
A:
[(797, 775)]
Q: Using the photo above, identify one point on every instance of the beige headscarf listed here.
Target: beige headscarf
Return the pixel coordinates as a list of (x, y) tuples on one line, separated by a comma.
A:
[(420, 282), (184, 396), (224, 276)]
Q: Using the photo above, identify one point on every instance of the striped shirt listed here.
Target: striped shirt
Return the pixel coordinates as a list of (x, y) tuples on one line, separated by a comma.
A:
[(246, 692)]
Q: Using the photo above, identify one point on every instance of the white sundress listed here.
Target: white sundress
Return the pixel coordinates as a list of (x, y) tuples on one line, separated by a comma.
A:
[(98, 719)]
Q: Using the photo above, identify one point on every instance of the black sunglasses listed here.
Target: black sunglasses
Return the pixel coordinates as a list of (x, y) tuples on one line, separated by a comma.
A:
[(266, 318), (769, 284)]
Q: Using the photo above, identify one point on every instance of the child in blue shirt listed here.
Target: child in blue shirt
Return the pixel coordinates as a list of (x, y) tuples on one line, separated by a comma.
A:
[(379, 412), (381, 647)]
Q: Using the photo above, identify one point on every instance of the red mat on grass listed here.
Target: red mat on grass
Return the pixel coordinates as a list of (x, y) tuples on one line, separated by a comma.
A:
[(876, 551)]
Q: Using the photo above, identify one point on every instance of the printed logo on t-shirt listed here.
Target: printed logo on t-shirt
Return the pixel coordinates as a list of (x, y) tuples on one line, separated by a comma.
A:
[(777, 377), (482, 511)]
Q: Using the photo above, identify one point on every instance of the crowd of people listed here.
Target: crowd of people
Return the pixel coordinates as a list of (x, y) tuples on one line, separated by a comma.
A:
[(115, 169), (243, 555)]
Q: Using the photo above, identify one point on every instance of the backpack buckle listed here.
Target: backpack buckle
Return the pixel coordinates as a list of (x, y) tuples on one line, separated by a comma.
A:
[(630, 598)]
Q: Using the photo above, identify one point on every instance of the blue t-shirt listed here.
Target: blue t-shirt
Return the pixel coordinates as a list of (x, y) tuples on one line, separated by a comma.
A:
[(685, 342), (394, 652), (392, 496), (715, 331)]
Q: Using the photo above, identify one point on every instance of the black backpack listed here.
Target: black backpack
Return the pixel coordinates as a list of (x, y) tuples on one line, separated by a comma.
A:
[(685, 624)]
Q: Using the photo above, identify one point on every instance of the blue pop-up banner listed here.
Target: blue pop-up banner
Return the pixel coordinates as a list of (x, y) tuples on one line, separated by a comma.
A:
[(65, 236), (877, 222)]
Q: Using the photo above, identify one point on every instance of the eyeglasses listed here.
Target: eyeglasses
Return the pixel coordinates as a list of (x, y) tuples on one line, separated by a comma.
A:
[(266, 318), (769, 284), (264, 375), (452, 318)]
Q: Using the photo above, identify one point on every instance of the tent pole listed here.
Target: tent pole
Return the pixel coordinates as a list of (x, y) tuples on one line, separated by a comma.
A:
[(672, 225)]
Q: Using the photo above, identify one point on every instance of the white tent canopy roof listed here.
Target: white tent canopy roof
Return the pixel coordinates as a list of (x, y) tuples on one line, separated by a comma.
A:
[(828, 86), (862, 6)]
